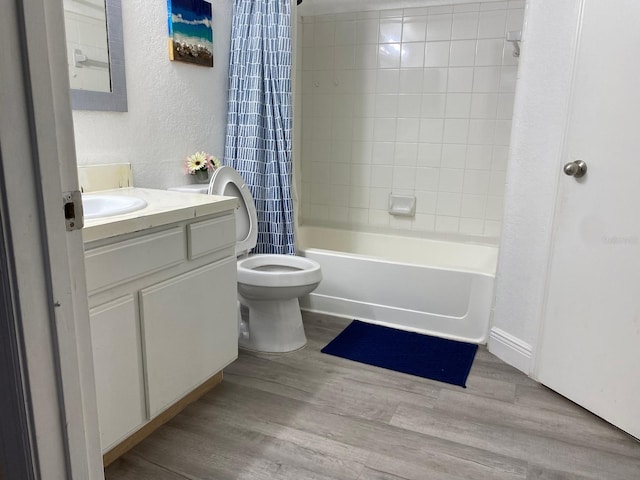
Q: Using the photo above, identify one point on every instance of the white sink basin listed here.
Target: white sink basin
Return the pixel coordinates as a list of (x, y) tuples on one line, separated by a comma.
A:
[(98, 205)]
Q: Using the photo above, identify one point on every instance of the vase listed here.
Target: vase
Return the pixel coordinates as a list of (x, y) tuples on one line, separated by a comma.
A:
[(202, 176)]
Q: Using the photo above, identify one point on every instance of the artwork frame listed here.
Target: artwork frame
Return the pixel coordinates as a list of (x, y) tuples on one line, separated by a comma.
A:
[(190, 31)]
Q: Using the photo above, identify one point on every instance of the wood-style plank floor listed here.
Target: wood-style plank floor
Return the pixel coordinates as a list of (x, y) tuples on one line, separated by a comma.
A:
[(307, 415)]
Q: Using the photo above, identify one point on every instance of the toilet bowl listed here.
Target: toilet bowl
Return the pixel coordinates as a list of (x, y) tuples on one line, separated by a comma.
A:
[(268, 285)]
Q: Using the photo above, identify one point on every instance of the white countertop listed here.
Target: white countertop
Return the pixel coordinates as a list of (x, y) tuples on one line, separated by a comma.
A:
[(163, 207)]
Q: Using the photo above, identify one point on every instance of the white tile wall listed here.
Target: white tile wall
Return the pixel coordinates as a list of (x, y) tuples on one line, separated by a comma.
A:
[(415, 101)]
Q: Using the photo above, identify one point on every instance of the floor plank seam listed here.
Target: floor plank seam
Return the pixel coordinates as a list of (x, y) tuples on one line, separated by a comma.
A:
[(327, 408), (266, 380), (383, 473), (556, 436), (161, 467), (401, 390)]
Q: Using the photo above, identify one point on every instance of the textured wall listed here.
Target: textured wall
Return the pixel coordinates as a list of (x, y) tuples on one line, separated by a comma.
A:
[(540, 114), (174, 108)]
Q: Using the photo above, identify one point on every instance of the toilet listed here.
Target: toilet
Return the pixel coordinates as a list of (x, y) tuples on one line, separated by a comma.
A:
[(268, 285)]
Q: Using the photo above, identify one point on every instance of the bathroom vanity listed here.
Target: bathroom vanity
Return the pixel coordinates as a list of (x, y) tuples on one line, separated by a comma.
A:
[(161, 287)]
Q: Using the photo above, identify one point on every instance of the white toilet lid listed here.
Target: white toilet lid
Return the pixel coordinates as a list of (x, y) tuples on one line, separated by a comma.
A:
[(226, 181)]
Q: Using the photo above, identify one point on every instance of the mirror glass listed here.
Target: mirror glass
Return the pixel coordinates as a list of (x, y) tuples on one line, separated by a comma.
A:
[(87, 48), (95, 54)]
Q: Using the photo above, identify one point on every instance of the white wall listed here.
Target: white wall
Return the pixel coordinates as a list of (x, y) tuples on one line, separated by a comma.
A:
[(296, 29), (540, 116), (413, 102), (175, 108)]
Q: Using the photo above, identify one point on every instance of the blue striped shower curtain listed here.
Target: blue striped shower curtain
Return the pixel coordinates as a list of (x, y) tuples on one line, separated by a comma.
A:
[(258, 142)]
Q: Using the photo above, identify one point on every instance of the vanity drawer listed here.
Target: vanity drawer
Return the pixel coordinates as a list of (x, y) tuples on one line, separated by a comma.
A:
[(211, 235), (125, 261)]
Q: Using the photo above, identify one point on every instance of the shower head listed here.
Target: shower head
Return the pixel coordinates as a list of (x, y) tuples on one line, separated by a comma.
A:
[(299, 2)]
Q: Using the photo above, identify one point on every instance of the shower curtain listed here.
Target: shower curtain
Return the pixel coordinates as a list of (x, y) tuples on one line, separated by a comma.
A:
[(258, 141)]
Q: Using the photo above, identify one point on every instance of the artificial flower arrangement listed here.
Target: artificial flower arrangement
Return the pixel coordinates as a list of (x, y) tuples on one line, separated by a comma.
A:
[(200, 164)]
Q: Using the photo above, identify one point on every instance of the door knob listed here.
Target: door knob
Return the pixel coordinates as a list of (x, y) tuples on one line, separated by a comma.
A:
[(575, 169)]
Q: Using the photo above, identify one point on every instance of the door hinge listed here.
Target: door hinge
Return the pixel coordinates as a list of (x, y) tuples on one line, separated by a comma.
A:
[(73, 216)]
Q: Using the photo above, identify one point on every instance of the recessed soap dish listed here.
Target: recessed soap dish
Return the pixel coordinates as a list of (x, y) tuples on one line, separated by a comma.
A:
[(402, 205)]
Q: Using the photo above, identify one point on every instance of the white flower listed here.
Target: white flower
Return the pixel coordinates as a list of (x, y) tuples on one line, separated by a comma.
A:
[(200, 162), (197, 161), (215, 163)]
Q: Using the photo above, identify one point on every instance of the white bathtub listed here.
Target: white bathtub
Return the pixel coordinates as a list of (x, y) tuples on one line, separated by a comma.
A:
[(428, 286)]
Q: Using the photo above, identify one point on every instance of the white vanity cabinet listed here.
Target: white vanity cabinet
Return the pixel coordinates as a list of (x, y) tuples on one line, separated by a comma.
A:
[(163, 317)]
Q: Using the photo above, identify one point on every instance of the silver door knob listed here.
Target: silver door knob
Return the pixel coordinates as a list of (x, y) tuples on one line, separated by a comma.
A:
[(575, 169)]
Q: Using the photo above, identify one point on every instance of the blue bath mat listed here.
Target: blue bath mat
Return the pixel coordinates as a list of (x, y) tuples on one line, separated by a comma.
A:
[(425, 356)]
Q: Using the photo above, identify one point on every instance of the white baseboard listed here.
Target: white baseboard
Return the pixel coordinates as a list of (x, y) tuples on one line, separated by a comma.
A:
[(510, 349)]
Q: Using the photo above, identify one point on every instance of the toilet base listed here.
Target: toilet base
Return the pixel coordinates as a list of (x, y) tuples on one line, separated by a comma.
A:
[(273, 326)]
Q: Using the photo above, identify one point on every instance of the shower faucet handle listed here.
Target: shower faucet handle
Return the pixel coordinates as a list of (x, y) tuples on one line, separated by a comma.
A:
[(575, 169)]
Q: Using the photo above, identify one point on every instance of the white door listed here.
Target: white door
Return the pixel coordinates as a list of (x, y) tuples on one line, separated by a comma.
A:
[(590, 348)]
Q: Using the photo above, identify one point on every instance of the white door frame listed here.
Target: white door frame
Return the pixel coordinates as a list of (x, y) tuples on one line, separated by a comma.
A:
[(559, 177), (541, 112), (47, 349)]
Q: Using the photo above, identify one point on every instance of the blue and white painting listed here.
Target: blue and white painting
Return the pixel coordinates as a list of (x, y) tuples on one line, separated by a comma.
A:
[(191, 31)]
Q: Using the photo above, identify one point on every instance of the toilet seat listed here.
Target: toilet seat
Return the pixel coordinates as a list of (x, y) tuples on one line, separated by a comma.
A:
[(226, 181), (278, 271)]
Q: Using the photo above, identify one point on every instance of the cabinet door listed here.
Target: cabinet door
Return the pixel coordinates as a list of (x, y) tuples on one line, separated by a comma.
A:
[(117, 362), (190, 331)]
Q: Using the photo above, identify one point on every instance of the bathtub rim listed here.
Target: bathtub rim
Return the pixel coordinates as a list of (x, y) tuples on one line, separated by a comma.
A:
[(375, 258), (489, 252)]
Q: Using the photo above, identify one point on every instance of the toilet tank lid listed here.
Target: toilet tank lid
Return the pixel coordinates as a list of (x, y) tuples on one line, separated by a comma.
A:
[(193, 188)]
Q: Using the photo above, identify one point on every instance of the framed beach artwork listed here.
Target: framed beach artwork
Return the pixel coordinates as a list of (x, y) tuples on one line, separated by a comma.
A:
[(190, 32)]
